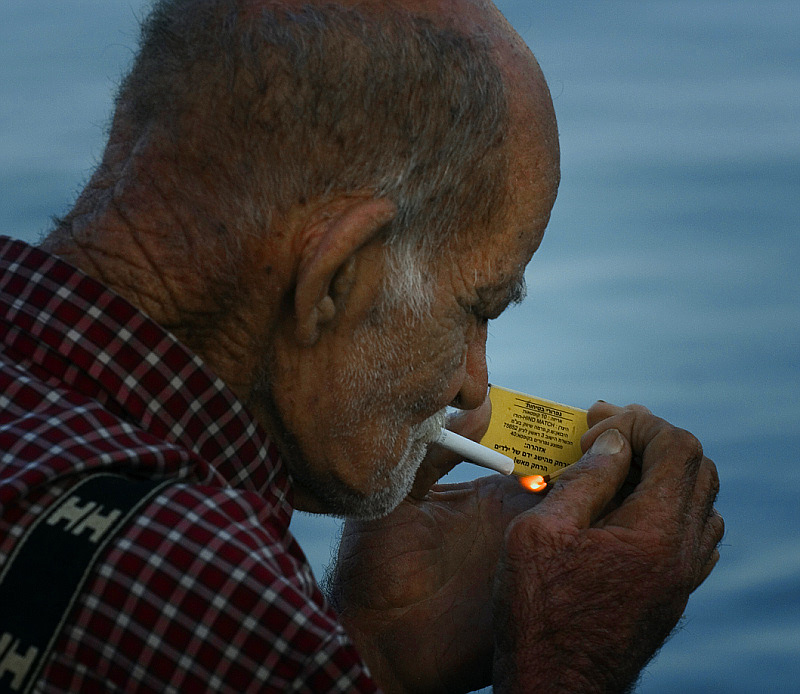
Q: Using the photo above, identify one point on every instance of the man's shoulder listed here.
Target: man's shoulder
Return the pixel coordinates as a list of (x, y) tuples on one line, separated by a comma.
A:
[(204, 576), (49, 430), (203, 583), (210, 537)]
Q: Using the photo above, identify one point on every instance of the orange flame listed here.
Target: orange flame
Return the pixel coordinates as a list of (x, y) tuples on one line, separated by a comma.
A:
[(534, 483)]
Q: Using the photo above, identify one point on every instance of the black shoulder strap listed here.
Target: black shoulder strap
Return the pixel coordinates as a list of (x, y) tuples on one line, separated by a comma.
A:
[(45, 573)]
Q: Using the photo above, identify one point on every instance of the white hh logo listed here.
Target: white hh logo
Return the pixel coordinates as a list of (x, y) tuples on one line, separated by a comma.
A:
[(14, 662), (86, 517)]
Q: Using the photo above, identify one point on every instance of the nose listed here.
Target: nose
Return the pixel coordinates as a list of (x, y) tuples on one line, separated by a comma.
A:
[(476, 376)]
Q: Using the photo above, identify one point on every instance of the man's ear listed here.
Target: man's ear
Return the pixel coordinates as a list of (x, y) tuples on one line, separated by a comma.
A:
[(326, 267)]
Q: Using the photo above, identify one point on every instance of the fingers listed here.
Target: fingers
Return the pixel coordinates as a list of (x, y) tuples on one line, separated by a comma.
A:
[(583, 491), (678, 484), (708, 568), (602, 410), (602, 416), (670, 457), (438, 461), (705, 492), (712, 530)]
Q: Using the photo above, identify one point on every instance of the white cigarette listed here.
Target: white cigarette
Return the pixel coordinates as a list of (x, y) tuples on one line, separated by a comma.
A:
[(475, 452)]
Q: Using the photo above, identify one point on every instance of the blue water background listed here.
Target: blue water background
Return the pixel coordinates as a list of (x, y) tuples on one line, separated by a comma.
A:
[(668, 276)]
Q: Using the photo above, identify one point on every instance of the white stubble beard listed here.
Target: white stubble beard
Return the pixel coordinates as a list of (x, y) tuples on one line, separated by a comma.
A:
[(366, 382)]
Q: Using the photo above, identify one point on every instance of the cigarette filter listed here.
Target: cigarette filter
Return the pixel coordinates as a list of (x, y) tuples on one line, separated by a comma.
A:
[(541, 437)]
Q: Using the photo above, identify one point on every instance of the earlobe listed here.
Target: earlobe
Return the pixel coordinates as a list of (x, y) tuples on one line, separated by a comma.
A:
[(327, 266)]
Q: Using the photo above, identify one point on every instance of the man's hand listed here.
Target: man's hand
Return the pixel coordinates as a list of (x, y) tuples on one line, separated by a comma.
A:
[(414, 588), (591, 584), (569, 592)]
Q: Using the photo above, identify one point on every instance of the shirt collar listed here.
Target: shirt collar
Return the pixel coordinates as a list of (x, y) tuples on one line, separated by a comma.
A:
[(151, 377)]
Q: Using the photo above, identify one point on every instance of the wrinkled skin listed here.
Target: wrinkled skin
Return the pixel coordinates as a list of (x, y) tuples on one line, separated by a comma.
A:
[(572, 591), (422, 600)]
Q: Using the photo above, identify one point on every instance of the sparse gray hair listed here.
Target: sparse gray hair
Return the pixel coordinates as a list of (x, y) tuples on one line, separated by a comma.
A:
[(278, 106)]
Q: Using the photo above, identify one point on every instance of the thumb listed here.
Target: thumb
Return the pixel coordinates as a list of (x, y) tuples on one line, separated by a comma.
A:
[(579, 496)]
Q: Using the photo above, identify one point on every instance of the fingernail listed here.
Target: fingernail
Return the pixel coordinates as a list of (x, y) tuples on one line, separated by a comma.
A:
[(608, 443)]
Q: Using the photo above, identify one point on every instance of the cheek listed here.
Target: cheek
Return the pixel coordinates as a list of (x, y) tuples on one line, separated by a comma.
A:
[(402, 372)]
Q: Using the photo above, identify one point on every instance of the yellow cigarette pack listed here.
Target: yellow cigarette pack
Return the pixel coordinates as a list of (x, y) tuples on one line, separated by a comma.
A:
[(541, 437)]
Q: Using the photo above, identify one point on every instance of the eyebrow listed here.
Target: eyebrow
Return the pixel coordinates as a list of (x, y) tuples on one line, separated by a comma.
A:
[(497, 298), (517, 291)]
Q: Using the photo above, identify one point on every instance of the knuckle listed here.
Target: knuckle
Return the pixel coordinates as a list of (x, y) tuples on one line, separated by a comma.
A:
[(713, 474), (717, 523), (636, 407), (720, 528), (521, 534), (601, 410), (689, 447), (532, 535), (630, 419)]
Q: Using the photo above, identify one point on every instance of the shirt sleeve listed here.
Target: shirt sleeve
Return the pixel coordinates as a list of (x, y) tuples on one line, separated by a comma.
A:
[(205, 592)]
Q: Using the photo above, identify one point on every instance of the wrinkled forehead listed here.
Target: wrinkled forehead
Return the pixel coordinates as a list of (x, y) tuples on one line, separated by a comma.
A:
[(534, 155), (532, 184)]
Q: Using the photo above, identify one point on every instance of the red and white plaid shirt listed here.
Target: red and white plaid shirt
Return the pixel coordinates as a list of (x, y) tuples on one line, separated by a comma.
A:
[(206, 590)]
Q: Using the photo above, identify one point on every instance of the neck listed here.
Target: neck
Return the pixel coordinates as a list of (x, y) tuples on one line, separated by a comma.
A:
[(183, 270)]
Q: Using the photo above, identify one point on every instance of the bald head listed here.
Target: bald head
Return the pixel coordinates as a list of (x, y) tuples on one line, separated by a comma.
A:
[(267, 105), (464, 16), (237, 112)]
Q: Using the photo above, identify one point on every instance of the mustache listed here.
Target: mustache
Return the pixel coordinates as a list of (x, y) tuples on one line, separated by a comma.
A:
[(428, 430)]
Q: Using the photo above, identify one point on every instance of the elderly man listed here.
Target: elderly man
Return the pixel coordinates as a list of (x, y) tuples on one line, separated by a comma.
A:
[(279, 276)]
